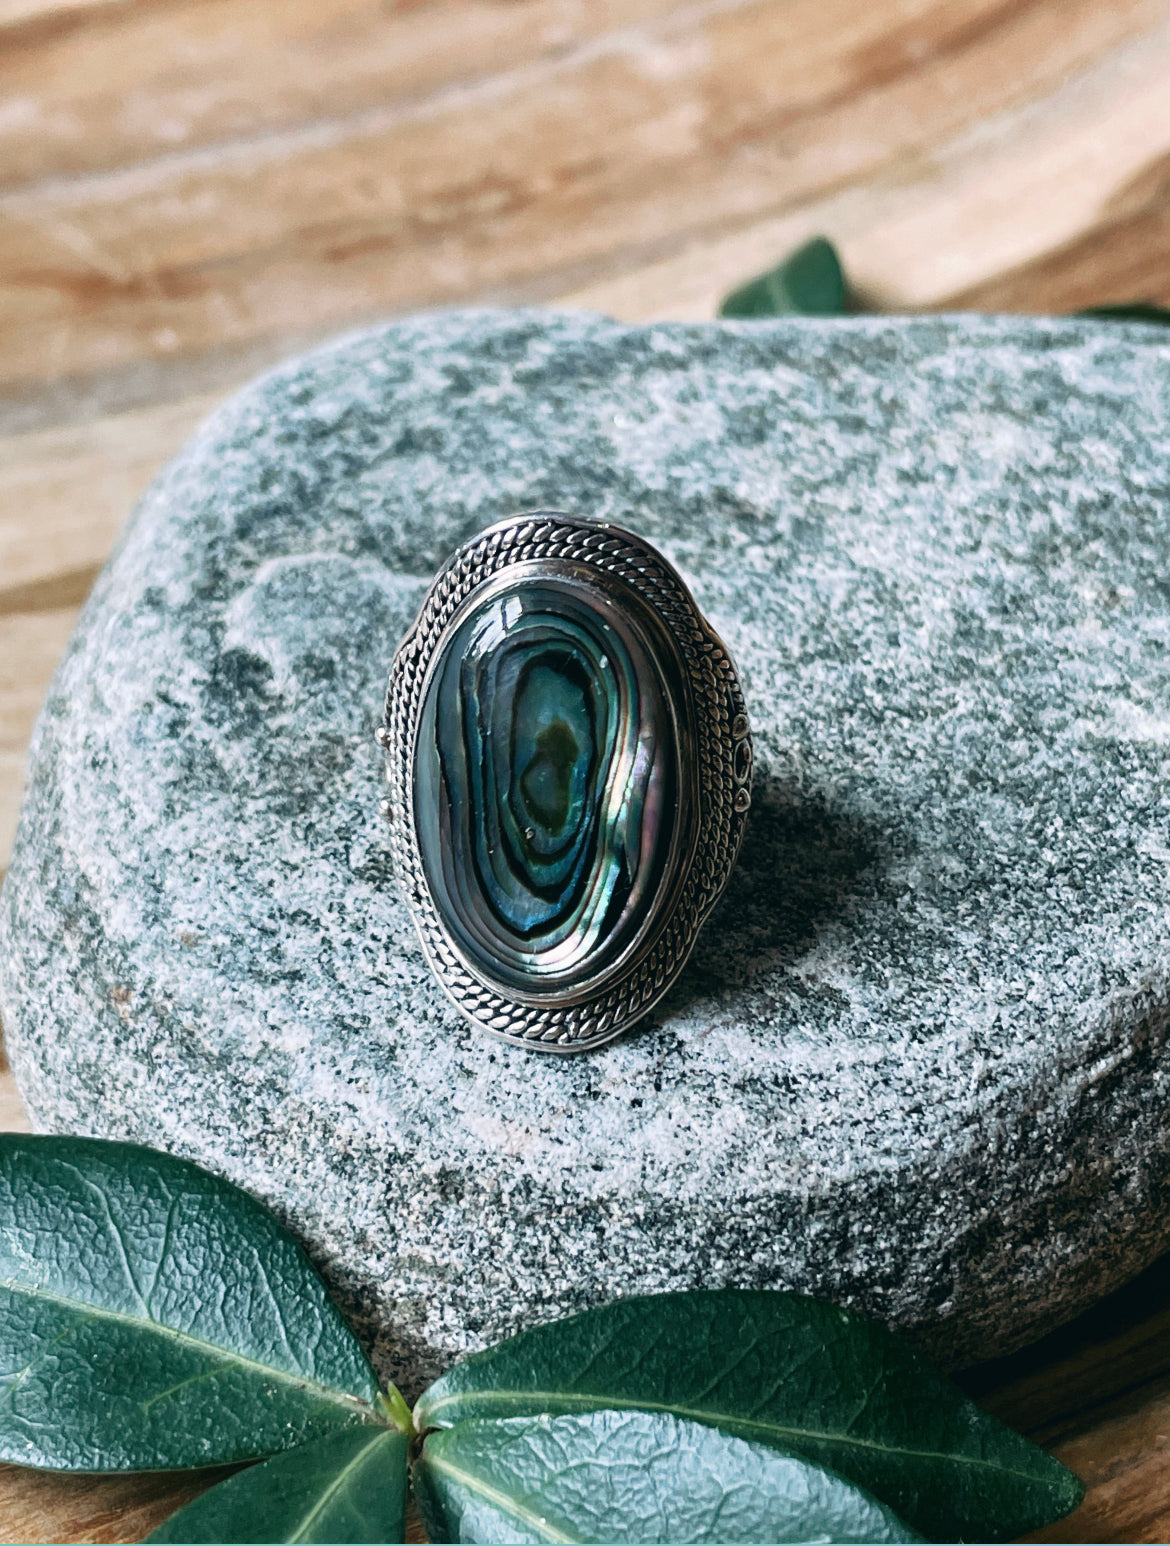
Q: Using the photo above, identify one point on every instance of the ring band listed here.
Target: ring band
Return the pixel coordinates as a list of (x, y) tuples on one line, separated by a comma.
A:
[(569, 766)]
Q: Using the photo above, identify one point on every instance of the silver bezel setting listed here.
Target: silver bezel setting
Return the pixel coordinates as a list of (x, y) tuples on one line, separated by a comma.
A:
[(714, 747)]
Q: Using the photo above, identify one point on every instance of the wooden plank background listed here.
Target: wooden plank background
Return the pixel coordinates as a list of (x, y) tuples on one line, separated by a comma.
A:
[(191, 189)]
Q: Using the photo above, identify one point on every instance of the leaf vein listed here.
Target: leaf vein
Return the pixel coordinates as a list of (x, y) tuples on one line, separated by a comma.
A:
[(157, 1328), (164, 1252), (503, 1501), (560, 1399), (314, 1513), (115, 1230)]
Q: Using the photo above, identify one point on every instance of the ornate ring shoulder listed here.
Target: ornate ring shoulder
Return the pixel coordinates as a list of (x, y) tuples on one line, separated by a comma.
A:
[(714, 743)]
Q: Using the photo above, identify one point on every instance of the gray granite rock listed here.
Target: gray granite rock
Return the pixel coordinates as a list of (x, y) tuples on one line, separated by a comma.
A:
[(918, 1062)]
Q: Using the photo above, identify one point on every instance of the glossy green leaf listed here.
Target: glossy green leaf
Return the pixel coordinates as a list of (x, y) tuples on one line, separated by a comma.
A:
[(784, 1370), (632, 1477), (153, 1316), (810, 283), (347, 1488), (1132, 311)]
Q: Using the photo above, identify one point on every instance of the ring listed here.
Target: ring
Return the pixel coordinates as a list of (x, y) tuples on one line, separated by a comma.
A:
[(569, 767)]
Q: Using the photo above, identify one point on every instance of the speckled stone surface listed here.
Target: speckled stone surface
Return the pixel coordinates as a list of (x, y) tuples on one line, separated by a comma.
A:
[(919, 1060)]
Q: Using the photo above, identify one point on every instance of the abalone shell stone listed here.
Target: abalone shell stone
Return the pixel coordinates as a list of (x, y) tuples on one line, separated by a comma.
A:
[(546, 783)]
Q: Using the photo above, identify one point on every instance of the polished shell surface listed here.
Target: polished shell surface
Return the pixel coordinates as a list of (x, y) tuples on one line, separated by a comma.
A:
[(546, 782)]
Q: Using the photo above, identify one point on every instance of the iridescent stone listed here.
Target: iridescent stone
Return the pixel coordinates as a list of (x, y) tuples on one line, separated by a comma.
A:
[(569, 764), (546, 783)]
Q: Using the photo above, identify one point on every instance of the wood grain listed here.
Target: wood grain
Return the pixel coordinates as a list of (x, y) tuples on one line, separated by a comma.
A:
[(43, 1506), (718, 115), (190, 189)]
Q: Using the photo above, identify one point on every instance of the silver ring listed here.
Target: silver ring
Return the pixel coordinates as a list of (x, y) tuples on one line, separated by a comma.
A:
[(569, 765)]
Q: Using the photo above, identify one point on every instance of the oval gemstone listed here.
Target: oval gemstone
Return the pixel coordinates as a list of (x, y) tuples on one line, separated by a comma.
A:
[(546, 784)]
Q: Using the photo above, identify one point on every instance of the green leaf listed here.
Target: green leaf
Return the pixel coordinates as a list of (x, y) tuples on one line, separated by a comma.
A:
[(810, 283), (783, 1370), (1130, 311), (347, 1488), (154, 1317), (632, 1477)]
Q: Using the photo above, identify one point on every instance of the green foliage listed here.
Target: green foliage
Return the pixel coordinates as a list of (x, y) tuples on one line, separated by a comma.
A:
[(152, 1316), (784, 1370), (809, 283), (1131, 311), (632, 1476), (350, 1486)]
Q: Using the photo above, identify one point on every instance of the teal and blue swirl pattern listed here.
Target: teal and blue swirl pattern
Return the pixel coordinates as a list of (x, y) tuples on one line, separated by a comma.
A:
[(545, 784)]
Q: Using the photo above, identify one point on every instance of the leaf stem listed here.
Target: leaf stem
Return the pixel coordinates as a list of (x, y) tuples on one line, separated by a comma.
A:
[(391, 1403)]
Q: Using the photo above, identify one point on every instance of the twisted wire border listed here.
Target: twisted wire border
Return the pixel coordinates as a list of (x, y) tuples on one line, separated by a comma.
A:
[(724, 773)]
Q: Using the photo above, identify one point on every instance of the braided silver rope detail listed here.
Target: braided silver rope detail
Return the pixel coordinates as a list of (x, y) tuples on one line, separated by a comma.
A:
[(723, 775)]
